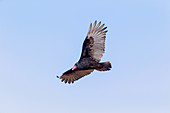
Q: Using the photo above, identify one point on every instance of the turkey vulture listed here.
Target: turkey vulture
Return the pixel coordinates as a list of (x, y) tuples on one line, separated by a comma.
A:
[(92, 52)]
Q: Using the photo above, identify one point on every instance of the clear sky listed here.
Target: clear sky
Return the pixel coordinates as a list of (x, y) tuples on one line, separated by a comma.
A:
[(40, 39)]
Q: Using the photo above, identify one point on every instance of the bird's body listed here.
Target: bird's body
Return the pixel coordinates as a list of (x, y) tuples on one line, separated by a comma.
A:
[(86, 63), (92, 52)]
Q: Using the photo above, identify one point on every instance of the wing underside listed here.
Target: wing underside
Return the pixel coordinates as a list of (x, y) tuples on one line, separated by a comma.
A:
[(71, 76), (94, 44)]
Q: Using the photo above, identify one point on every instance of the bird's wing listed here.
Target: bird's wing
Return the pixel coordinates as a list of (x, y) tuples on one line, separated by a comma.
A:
[(94, 44), (71, 76)]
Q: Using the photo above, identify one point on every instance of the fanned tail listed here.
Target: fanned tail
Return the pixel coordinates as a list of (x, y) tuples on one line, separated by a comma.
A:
[(105, 66)]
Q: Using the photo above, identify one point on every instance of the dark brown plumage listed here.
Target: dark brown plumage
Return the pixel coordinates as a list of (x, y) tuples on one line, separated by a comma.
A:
[(92, 52)]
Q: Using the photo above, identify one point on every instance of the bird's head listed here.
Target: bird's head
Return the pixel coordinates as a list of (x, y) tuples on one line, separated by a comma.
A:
[(74, 67)]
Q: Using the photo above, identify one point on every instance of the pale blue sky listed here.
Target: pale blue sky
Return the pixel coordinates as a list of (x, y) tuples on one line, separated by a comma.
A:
[(41, 39)]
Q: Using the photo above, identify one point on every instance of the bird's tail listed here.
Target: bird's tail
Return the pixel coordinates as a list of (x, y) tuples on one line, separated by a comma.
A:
[(105, 66)]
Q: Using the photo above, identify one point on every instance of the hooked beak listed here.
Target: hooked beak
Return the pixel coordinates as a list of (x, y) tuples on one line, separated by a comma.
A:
[(74, 67)]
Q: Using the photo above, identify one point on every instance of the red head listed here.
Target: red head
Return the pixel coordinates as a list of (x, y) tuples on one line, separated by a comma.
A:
[(74, 67)]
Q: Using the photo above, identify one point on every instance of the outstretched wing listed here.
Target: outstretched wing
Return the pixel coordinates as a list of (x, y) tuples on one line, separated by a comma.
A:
[(71, 76), (94, 44)]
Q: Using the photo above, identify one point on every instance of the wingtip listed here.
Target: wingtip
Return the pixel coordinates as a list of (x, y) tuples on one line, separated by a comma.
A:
[(62, 80), (65, 81), (91, 24)]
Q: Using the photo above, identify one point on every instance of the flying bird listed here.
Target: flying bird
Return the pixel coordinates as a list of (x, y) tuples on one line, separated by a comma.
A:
[(92, 52)]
